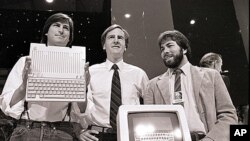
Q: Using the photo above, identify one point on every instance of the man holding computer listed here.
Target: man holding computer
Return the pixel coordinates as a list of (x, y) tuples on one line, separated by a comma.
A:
[(41, 120), (201, 91)]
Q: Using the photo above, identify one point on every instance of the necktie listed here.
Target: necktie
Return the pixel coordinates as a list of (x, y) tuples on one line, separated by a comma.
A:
[(115, 96), (178, 97), (177, 83)]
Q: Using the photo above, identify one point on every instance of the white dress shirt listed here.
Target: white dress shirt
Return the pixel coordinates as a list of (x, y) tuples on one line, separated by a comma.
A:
[(190, 107), (38, 111), (133, 83)]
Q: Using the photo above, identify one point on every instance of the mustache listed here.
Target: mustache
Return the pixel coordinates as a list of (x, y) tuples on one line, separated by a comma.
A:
[(167, 55)]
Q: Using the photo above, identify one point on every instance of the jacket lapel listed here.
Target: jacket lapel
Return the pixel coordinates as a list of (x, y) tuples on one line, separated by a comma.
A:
[(197, 76), (163, 86)]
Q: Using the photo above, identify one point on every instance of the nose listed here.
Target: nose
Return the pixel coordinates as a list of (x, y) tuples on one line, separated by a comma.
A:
[(116, 40), (165, 50), (60, 29)]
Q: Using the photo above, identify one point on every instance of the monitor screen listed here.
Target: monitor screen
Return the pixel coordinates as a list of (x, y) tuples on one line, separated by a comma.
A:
[(152, 123), (152, 126)]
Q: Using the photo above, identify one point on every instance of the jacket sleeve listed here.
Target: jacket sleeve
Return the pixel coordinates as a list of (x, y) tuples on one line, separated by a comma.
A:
[(225, 111), (149, 94)]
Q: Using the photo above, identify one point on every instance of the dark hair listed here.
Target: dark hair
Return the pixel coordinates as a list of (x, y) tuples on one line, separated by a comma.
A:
[(178, 37), (208, 59), (112, 27), (58, 17)]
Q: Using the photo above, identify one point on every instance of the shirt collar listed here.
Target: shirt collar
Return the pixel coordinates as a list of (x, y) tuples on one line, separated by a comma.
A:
[(109, 64), (185, 69)]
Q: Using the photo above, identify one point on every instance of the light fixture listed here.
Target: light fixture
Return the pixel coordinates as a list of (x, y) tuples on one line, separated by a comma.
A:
[(192, 21), (49, 1), (127, 16)]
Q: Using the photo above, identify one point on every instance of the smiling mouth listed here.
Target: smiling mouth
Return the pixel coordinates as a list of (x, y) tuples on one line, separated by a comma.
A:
[(115, 46), (60, 36), (167, 57)]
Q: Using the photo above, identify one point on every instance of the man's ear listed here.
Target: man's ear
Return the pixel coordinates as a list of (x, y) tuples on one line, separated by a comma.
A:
[(104, 48)]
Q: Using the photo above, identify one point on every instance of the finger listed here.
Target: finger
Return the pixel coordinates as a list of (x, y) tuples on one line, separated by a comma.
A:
[(89, 137), (86, 66), (92, 138), (27, 60), (87, 74), (85, 138), (26, 69), (27, 63)]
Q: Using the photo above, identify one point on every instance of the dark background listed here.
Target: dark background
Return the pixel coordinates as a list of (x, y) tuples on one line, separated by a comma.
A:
[(21, 22), (216, 30)]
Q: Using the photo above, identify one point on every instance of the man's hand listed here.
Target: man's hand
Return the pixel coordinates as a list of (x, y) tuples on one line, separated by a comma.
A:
[(88, 135), (26, 70), (87, 75)]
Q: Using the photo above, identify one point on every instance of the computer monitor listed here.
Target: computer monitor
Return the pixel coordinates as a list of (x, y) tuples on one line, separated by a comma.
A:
[(152, 123)]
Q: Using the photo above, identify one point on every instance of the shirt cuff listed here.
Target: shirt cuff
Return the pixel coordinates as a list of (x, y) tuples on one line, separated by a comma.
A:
[(16, 110)]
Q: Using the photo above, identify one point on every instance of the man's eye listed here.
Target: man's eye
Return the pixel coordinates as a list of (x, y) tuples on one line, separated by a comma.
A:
[(66, 27), (110, 37), (57, 25), (120, 37)]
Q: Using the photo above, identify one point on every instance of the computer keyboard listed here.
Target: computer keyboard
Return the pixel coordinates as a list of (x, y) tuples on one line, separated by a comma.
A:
[(57, 74), (49, 90), (155, 137)]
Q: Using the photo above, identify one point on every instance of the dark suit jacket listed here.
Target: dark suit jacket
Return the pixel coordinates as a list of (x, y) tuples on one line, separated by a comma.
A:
[(213, 102)]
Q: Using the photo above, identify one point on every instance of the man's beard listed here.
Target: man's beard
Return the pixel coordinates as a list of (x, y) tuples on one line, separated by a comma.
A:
[(175, 61)]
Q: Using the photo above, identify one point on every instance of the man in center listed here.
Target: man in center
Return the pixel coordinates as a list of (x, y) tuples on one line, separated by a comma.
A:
[(112, 83)]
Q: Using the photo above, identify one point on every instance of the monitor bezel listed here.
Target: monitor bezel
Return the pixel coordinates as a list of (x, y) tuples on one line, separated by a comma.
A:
[(124, 110)]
